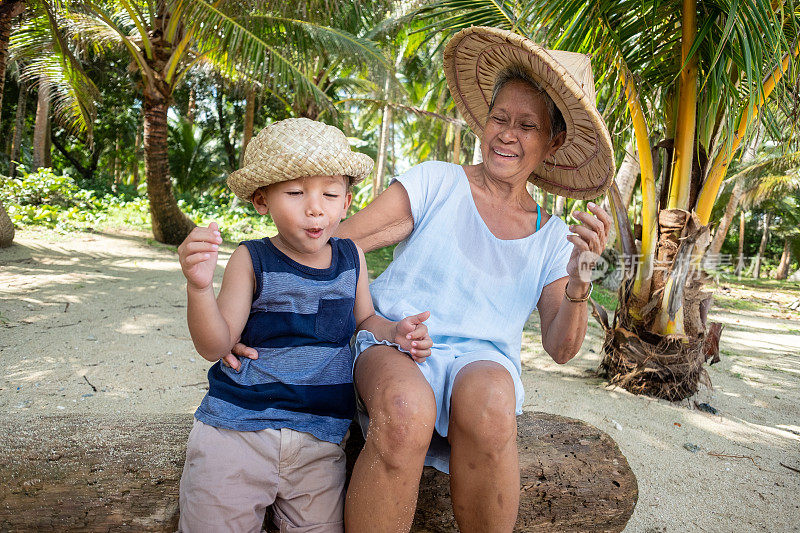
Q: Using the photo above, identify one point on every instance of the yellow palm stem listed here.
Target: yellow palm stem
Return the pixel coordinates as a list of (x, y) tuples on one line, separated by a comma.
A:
[(708, 194), (666, 324), (641, 284), (687, 112)]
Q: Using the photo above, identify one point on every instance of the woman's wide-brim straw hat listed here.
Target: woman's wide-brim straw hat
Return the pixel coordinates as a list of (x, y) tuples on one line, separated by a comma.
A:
[(584, 164), (296, 148)]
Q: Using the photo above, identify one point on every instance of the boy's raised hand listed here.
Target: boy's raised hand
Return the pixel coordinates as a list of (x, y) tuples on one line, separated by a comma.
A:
[(198, 256), (412, 336)]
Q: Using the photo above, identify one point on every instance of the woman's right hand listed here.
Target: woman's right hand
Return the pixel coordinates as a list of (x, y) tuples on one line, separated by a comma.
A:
[(239, 350), (198, 256)]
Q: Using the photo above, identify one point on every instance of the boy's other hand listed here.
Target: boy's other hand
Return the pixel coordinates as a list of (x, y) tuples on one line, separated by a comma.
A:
[(239, 350), (198, 256), (412, 336)]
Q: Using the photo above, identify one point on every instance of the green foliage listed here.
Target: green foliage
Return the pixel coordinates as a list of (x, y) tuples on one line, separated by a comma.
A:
[(237, 221), (43, 51), (192, 161), (378, 260), (605, 297), (44, 198), (362, 195)]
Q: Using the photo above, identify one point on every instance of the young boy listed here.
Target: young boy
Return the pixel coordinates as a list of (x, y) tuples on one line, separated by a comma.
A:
[(271, 431)]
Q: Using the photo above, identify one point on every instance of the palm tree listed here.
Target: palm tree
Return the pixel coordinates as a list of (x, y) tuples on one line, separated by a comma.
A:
[(167, 39), (773, 187), (195, 165), (9, 9), (694, 77), (41, 54)]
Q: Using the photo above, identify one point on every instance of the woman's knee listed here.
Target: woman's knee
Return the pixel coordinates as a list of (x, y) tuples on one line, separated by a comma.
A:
[(401, 419), (400, 404), (483, 406)]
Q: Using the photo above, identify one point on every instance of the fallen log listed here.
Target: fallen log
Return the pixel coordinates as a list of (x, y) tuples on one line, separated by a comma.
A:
[(72, 473)]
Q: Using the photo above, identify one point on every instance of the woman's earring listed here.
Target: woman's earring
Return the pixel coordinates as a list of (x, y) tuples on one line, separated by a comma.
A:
[(544, 163)]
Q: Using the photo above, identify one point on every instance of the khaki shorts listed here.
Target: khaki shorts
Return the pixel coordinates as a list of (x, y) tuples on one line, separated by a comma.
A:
[(231, 477)]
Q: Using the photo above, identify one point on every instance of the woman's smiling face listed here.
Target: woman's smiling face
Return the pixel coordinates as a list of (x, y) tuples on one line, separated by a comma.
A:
[(516, 137)]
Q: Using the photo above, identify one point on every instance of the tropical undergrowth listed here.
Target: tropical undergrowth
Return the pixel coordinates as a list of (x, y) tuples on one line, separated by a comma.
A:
[(60, 203)]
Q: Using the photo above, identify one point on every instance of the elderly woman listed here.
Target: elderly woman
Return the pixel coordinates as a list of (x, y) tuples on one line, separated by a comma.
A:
[(477, 252)]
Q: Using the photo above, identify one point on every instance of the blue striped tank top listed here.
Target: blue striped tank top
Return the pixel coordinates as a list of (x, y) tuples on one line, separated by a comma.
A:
[(301, 321)]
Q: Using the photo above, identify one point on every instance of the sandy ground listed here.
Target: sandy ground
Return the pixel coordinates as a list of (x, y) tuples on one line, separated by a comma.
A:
[(95, 324)]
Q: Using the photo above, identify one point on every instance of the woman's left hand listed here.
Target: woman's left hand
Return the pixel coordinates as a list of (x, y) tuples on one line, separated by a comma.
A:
[(590, 238)]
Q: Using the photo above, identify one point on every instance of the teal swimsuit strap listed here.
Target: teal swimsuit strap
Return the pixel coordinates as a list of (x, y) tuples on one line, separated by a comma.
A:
[(538, 217)]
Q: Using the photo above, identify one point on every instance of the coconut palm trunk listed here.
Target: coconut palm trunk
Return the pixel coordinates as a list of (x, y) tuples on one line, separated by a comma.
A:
[(8, 10), (19, 127), (6, 228), (383, 149), (740, 255), (627, 173), (249, 121), (477, 157), (137, 147), (170, 225), (40, 127), (736, 195), (786, 259), (727, 218), (762, 246)]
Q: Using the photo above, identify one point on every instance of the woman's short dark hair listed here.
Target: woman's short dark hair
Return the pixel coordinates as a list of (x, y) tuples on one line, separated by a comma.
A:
[(517, 73)]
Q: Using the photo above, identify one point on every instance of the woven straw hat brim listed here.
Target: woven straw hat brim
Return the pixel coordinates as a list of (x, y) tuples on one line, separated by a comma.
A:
[(296, 148), (473, 59)]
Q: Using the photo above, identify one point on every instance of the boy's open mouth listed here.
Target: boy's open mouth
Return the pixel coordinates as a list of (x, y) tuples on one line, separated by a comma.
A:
[(314, 233)]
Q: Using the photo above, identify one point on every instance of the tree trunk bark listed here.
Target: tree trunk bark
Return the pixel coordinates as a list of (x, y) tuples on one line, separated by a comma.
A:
[(626, 182), (86, 172), (136, 153), (627, 173), (392, 152), (762, 246), (19, 127), (786, 259), (121, 474), (170, 225), (40, 128), (727, 218), (477, 157), (249, 120), (48, 143), (117, 165), (225, 136), (8, 10), (740, 256), (383, 150), (192, 106), (457, 144), (6, 228), (736, 194), (558, 207)]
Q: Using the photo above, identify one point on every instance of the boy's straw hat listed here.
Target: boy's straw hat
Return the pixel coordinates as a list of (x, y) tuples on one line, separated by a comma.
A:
[(584, 165), (296, 148)]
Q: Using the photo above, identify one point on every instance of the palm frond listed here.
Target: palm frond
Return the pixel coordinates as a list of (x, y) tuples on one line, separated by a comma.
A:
[(44, 52), (239, 49), (775, 177)]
